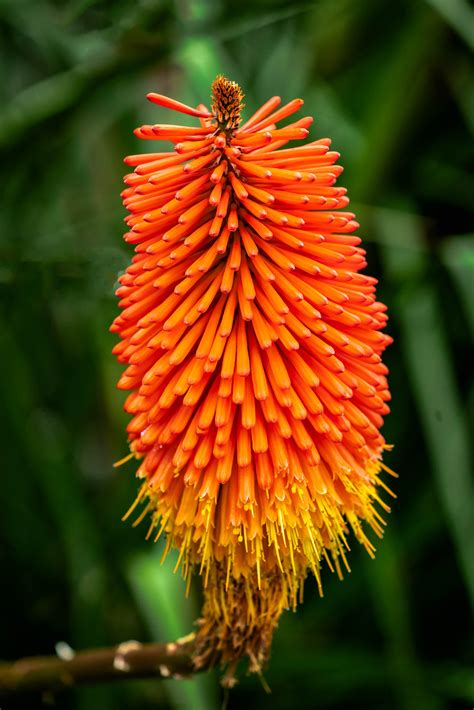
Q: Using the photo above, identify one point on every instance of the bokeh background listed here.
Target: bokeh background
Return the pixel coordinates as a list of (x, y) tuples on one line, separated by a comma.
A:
[(392, 84)]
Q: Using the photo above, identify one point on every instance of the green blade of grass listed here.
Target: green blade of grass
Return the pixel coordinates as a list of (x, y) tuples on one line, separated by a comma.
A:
[(460, 15), (160, 596), (427, 358), (458, 255), (390, 600), (46, 451)]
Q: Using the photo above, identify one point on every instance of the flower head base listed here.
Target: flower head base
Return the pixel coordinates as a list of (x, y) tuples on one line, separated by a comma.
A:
[(253, 348)]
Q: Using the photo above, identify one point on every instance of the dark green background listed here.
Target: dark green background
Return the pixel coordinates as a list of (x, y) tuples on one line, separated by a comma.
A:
[(392, 84)]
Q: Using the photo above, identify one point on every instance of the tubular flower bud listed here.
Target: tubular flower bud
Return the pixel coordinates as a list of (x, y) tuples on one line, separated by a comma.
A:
[(252, 343)]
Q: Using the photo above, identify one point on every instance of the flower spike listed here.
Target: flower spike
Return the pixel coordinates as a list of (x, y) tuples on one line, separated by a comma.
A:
[(252, 341)]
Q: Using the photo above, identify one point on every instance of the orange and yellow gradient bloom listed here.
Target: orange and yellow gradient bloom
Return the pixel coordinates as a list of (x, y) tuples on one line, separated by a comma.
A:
[(253, 345)]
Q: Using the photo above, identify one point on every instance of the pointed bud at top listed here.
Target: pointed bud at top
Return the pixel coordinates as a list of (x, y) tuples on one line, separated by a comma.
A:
[(227, 102)]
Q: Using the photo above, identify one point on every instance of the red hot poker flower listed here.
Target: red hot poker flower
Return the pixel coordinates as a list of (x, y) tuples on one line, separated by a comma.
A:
[(253, 349)]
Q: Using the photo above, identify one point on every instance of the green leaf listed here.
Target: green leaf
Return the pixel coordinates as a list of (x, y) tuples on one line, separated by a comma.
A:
[(429, 364), (161, 597), (458, 255), (460, 15)]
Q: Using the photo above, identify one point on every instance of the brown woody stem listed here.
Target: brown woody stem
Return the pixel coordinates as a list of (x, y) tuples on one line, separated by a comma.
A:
[(130, 659)]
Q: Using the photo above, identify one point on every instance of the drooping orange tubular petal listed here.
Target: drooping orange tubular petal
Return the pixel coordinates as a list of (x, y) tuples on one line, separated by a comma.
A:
[(252, 343)]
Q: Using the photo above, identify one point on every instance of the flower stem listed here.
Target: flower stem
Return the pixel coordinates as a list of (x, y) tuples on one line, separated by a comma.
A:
[(130, 659)]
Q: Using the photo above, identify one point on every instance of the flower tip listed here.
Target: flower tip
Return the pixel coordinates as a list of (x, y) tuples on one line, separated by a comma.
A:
[(166, 102), (202, 108)]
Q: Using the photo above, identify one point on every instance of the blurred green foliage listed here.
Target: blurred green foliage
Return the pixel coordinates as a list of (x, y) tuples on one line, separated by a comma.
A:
[(393, 85)]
